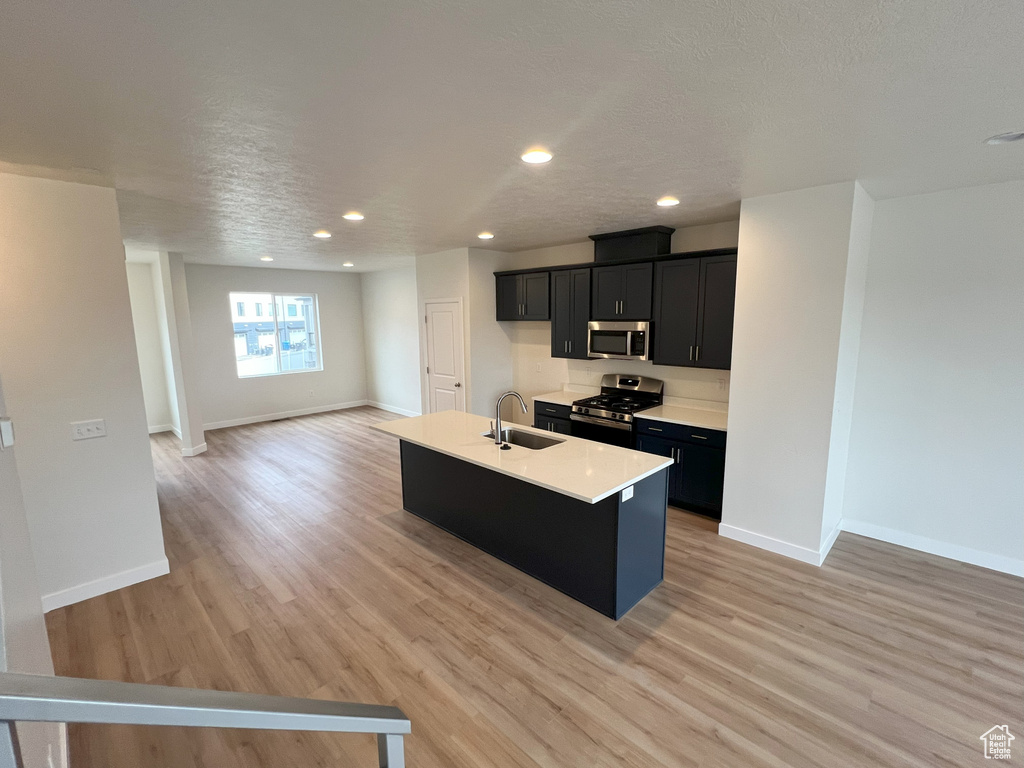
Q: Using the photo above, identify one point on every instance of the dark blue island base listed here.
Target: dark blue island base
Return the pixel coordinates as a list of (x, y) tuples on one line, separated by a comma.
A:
[(607, 555)]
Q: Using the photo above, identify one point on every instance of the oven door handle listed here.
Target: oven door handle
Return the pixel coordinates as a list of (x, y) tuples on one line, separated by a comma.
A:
[(601, 422)]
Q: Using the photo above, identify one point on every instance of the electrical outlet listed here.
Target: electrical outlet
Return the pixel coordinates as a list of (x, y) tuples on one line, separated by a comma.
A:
[(86, 430), (538, 368), (312, 393), (721, 384)]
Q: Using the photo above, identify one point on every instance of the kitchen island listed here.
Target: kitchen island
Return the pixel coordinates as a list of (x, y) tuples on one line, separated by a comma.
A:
[(585, 518)]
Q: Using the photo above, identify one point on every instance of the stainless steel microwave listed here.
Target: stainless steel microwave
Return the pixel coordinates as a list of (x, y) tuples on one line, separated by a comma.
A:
[(617, 340)]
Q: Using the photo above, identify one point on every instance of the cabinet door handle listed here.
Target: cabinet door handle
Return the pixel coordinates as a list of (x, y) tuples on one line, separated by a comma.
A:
[(697, 356), (654, 429), (698, 437), (551, 410), (570, 347), (565, 347), (691, 352)]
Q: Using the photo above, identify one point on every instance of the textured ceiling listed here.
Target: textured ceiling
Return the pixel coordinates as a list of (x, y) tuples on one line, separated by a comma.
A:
[(235, 129)]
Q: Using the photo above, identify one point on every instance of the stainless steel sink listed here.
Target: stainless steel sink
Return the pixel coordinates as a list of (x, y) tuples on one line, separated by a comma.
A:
[(525, 439)]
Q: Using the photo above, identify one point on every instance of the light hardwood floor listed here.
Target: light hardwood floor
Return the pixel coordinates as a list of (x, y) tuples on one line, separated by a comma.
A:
[(295, 571)]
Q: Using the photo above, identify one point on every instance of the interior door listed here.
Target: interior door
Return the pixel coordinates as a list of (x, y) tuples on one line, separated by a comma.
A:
[(445, 359)]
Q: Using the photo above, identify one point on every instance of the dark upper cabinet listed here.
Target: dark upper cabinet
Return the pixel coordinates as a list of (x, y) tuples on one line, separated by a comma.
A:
[(622, 292), (570, 312), (523, 297), (717, 308), (676, 292), (694, 301)]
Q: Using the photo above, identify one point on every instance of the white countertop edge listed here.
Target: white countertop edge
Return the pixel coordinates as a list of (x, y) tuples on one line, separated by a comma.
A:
[(713, 422), (561, 491)]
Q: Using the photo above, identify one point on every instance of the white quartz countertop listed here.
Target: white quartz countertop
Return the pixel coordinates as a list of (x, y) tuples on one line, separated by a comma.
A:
[(581, 469), (691, 417), (561, 397)]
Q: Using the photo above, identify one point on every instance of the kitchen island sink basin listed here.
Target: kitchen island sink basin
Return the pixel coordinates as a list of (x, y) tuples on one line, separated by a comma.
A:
[(525, 439)]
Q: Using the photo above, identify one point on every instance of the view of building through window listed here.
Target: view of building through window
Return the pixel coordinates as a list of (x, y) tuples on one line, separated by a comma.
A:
[(282, 339)]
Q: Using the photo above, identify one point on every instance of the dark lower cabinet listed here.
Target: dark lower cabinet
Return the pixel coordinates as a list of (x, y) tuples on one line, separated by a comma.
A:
[(697, 475), (549, 424), (551, 417), (523, 296), (570, 313)]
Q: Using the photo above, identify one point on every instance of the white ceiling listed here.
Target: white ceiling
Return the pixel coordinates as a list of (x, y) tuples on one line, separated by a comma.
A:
[(234, 129)]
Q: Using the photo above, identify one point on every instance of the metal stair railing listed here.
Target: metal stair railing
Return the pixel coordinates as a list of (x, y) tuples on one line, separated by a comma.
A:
[(41, 698)]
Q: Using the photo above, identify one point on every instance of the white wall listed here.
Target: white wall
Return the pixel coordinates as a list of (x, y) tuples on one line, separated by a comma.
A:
[(790, 286), (392, 340), (490, 344), (937, 441), (861, 218), (225, 399), (148, 345), (24, 645), (91, 505)]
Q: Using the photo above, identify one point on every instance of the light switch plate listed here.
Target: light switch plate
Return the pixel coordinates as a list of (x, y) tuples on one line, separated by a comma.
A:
[(6, 433), (627, 493), (86, 430)]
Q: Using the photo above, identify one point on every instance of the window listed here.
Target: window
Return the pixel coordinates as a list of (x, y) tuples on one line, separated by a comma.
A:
[(277, 344), (240, 307)]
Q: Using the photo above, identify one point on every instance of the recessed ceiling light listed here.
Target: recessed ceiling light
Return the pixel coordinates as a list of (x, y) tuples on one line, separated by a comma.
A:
[(323, 234), (266, 258), (485, 236), (537, 156), (353, 216), (348, 264), (1005, 138), (665, 202)]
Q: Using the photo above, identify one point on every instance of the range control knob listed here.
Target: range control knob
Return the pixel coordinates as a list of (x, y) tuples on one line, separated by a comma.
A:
[(586, 410)]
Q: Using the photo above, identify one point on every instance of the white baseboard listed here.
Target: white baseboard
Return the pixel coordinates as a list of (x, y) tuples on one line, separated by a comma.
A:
[(393, 409), (779, 547), (282, 415), (177, 432), (826, 546), (933, 547), (106, 584), (161, 428), (194, 450)]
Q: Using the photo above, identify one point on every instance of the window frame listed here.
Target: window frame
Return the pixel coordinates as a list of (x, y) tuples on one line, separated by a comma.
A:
[(277, 332)]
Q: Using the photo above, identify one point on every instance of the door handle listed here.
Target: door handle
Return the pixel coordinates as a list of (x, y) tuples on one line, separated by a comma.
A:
[(565, 347), (458, 383), (654, 429), (551, 410), (691, 352), (698, 437), (698, 353), (570, 347)]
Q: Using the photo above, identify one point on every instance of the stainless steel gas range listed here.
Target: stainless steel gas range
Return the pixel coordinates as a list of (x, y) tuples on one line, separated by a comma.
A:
[(608, 417)]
